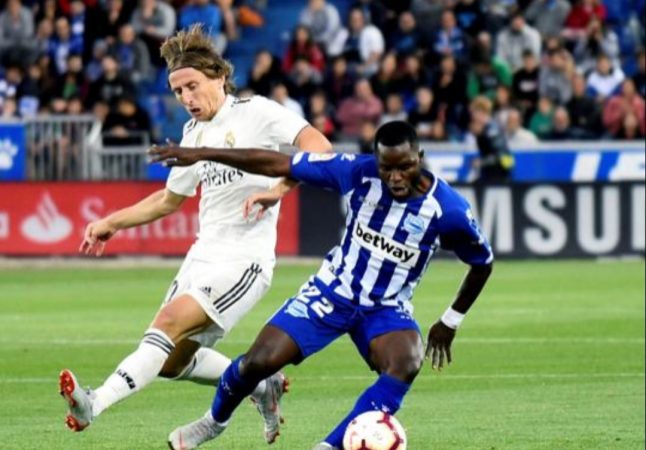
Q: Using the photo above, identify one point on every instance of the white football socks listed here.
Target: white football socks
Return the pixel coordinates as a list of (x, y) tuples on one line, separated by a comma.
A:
[(136, 371), (208, 366)]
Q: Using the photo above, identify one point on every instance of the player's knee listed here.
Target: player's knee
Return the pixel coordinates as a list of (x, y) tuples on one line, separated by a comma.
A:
[(168, 323), (405, 369), (259, 363)]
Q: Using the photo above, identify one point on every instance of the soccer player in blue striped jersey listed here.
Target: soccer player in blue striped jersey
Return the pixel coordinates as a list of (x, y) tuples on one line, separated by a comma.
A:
[(398, 215)]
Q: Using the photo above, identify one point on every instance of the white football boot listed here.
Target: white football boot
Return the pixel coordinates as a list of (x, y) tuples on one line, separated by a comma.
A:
[(268, 405), (324, 446), (195, 433), (79, 401)]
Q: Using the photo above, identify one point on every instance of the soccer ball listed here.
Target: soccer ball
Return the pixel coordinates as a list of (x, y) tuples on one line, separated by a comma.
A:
[(374, 430)]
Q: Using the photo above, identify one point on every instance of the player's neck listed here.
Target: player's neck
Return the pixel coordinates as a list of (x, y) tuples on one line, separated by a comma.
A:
[(422, 185), (218, 107)]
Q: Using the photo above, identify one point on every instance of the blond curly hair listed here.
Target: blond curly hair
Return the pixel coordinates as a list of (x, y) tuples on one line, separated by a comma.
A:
[(194, 48)]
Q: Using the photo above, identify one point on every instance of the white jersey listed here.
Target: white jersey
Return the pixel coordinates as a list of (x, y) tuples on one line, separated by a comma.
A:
[(255, 122)]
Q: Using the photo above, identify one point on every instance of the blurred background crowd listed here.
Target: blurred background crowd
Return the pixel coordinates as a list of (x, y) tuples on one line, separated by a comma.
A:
[(552, 69)]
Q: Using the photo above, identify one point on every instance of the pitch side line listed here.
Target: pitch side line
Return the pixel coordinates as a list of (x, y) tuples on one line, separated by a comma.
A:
[(459, 340), (443, 377)]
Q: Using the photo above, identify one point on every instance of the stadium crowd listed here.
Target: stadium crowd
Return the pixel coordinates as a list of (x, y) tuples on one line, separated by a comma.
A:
[(553, 69)]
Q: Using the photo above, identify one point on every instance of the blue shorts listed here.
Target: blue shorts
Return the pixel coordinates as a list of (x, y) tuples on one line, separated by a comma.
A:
[(314, 321)]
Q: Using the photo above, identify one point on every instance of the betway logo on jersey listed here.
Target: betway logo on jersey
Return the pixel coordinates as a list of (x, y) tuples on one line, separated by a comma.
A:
[(386, 247)]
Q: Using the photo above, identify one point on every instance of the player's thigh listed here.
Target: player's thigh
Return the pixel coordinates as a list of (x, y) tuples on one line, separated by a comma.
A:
[(182, 317), (181, 356), (390, 341), (399, 354), (309, 320)]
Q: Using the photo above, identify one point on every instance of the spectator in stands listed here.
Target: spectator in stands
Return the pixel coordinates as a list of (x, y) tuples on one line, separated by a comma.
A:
[(31, 84), (515, 39), (209, 15), (502, 104), (487, 73), (413, 76), (16, 33), (562, 129), (9, 82), (367, 138), (382, 13), (8, 109), (47, 9), (94, 67), (111, 86), (77, 21), (548, 16), (72, 83), (132, 55), (323, 20), (394, 109), (127, 124), (425, 114), (304, 79), (362, 44), (154, 21), (629, 102), (554, 79), (597, 40), (428, 14), (580, 16), (264, 73), (406, 40), (339, 83), (541, 121), (43, 37), (302, 45), (325, 125), (584, 111), (469, 16), (363, 106), (449, 39), (386, 80), (63, 44), (517, 135), (115, 16), (280, 94), (318, 105), (525, 84), (605, 80), (494, 161), (630, 129), (497, 13), (449, 87), (640, 77)]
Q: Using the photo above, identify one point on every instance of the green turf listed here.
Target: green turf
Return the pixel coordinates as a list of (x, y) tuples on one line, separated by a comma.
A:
[(551, 357)]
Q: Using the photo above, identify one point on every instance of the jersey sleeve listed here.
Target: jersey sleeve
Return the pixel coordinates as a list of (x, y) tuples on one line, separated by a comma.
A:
[(461, 234), (282, 125), (333, 171), (183, 181)]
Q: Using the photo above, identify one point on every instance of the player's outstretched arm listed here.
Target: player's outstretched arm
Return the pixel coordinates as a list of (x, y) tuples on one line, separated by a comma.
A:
[(155, 206), (441, 334), (251, 160)]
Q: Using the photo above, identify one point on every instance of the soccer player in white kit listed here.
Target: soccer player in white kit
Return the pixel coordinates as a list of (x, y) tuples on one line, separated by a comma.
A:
[(229, 267)]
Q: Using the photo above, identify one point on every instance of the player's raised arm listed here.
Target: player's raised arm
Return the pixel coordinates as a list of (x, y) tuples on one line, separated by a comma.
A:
[(251, 160)]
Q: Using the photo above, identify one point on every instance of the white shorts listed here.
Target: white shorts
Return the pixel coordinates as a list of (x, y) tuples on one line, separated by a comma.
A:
[(226, 291)]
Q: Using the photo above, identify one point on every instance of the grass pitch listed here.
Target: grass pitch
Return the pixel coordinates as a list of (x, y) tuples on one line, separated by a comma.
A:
[(551, 357)]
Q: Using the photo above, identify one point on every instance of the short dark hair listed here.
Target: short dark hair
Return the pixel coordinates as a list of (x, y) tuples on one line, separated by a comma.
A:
[(396, 133)]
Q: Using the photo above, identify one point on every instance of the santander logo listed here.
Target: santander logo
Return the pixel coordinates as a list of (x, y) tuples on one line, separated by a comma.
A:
[(47, 225)]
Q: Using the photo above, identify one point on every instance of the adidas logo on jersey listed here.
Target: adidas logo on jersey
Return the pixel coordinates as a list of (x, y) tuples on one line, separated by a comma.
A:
[(385, 247)]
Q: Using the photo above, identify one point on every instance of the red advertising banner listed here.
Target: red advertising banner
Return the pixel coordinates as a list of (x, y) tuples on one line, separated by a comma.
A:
[(49, 219)]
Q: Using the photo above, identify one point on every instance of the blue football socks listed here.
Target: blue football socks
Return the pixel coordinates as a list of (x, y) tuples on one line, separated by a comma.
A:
[(232, 390), (387, 395)]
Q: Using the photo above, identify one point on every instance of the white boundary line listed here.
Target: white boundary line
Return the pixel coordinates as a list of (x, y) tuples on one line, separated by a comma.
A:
[(444, 377), (466, 340)]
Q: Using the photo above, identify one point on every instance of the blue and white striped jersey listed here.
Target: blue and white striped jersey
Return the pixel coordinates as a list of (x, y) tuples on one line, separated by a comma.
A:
[(387, 244)]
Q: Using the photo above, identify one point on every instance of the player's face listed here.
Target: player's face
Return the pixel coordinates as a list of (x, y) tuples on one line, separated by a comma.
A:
[(200, 95), (400, 168)]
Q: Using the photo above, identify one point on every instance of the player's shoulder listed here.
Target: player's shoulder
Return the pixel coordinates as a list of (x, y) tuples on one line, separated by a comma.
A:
[(450, 200)]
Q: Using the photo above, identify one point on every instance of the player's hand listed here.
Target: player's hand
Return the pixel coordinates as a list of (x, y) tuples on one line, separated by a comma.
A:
[(440, 338), (264, 200), (172, 154), (96, 235)]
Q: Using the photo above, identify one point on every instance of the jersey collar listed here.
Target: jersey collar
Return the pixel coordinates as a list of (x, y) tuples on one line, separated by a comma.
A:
[(224, 110)]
